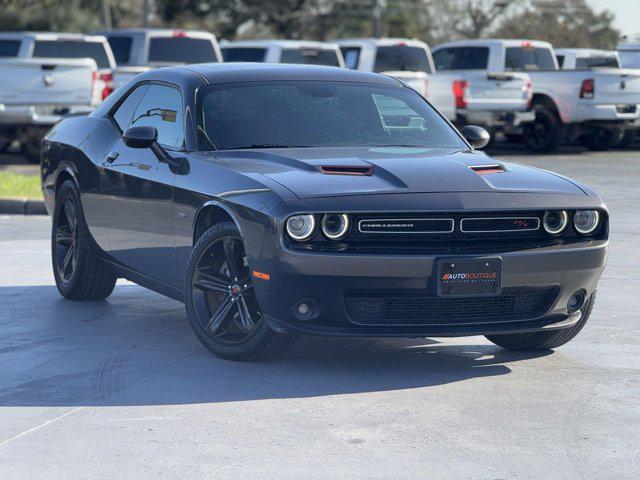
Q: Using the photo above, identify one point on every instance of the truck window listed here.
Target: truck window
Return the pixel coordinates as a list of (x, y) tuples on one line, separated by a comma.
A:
[(181, 50), (243, 54), (9, 48), (595, 62), (462, 58), (560, 59), (121, 47), (401, 58), (310, 56), (529, 58), (351, 56), (72, 49), (630, 58)]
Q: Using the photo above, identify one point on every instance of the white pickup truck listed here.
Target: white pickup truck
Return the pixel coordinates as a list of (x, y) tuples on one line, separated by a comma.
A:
[(586, 58), (139, 50), (496, 101), (282, 51), (592, 106), (44, 77)]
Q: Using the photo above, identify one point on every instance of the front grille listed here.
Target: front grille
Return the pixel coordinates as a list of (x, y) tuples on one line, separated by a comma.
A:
[(415, 307)]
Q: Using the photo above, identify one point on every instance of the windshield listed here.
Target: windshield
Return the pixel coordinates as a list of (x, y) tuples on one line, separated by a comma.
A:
[(283, 114), (401, 58), (72, 49), (171, 50), (595, 62), (310, 56)]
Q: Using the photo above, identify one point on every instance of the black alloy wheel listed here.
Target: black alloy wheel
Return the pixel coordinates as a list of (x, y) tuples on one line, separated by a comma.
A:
[(221, 302), (66, 239), (545, 133)]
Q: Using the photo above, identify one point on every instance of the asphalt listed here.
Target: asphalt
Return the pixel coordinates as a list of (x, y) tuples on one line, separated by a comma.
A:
[(122, 389)]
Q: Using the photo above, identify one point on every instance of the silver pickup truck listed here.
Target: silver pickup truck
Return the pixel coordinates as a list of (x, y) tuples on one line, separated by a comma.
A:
[(591, 106), (282, 51), (44, 77), (137, 50)]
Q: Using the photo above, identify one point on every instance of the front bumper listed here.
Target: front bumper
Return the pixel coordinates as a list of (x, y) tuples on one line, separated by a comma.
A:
[(323, 280)]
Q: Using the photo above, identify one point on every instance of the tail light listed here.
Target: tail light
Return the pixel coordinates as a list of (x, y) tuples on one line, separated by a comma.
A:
[(459, 89), (179, 34), (529, 91), (588, 88), (103, 85)]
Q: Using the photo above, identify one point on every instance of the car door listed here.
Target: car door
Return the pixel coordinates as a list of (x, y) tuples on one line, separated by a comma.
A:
[(138, 188)]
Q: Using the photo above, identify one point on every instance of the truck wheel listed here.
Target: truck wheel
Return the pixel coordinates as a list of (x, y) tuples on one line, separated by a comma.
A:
[(545, 340), (545, 133), (31, 143), (600, 139), (627, 139)]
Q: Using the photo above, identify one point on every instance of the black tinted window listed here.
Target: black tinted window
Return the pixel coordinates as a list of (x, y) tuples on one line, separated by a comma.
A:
[(161, 107), (242, 54), (529, 58), (461, 58), (9, 48), (401, 57), (72, 49), (125, 111), (319, 114), (121, 47), (560, 59), (351, 56), (595, 62), (310, 56), (181, 50)]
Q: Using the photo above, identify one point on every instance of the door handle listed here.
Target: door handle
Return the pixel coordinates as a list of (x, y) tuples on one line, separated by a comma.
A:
[(112, 157)]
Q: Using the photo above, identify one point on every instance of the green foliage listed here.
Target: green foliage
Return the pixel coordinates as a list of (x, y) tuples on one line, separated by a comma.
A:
[(23, 186)]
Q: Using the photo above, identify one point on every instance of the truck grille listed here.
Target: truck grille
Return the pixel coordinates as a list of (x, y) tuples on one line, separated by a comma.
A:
[(415, 307)]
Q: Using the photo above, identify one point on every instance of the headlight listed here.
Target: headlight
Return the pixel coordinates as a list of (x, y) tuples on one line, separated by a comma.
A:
[(301, 227), (555, 222), (586, 221), (335, 225)]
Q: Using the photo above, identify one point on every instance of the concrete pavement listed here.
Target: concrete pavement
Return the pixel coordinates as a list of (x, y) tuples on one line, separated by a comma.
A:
[(122, 388)]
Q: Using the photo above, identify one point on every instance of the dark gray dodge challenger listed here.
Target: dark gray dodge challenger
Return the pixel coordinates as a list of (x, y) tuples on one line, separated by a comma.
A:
[(279, 200)]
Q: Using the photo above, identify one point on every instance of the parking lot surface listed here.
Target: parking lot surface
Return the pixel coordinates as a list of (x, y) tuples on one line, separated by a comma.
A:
[(122, 388)]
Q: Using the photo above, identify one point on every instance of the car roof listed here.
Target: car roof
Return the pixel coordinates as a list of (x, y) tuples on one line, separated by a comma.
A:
[(247, 72), (507, 42), (53, 36), (151, 32), (585, 52), (386, 41)]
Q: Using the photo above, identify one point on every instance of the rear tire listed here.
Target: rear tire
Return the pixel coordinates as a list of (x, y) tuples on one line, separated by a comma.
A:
[(544, 340), (545, 133), (220, 302), (78, 271)]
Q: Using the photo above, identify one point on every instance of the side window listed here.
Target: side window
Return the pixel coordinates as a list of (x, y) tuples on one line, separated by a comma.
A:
[(161, 108), (560, 59), (124, 113), (351, 56)]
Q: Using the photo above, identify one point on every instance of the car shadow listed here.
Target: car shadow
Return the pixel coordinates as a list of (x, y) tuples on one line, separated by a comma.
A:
[(137, 348)]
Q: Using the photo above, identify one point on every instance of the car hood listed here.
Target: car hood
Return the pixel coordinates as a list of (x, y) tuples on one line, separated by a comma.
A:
[(394, 170)]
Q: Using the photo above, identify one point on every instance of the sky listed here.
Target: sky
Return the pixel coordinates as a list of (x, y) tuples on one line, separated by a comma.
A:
[(627, 13)]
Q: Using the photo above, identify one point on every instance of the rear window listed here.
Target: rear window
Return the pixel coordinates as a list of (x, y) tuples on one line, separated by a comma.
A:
[(310, 56), (72, 49), (351, 56), (529, 58), (181, 50), (403, 58), (242, 54), (462, 58), (121, 47), (594, 62), (9, 48)]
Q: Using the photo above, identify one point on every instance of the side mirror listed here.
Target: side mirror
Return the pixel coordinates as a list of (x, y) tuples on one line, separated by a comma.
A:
[(478, 137), (140, 137)]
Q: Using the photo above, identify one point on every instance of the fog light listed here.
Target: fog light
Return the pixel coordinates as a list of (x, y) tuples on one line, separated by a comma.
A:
[(305, 309), (575, 302)]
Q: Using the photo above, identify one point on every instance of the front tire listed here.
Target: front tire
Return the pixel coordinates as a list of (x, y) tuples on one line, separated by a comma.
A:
[(545, 340), (78, 271), (220, 302)]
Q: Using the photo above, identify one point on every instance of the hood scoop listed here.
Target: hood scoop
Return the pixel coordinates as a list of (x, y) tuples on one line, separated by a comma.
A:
[(487, 169), (365, 171)]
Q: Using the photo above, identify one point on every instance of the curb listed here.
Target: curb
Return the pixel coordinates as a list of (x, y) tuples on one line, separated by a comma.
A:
[(22, 206)]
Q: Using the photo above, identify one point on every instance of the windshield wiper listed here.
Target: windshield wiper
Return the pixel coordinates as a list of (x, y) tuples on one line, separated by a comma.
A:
[(264, 145)]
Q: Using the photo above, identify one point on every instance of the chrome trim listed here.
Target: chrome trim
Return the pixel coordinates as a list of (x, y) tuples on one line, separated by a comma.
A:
[(407, 220), (503, 230)]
